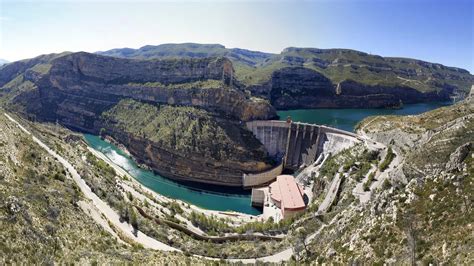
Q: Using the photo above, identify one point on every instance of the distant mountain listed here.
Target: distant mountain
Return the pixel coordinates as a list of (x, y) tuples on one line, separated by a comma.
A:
[(3, 62), (338, 65), (191, 50)]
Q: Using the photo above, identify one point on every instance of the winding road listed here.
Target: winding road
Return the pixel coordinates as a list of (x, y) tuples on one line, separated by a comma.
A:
[(126, 228), (105, 209)]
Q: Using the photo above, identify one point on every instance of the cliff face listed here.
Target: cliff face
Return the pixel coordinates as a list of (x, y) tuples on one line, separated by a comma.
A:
[(256, 69), (77, 89), (185, 143), (85, 84), (186, 166), (297, 87)]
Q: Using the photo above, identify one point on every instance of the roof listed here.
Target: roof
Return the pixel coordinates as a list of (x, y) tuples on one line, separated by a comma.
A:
[(289, 192)]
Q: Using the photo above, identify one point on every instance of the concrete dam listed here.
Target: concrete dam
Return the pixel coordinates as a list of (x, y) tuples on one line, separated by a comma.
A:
[(295, 145)]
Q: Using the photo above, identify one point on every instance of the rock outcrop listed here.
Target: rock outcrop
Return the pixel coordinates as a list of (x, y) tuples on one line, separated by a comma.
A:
[(297, 87), (76, 89), (185, 143), (457, 157)]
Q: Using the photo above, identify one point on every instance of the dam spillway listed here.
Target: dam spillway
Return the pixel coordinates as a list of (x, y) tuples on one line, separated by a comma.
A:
[(295, 144)]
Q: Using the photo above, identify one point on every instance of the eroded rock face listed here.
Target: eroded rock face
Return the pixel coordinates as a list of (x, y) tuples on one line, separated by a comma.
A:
[(80, 86), (458, 156), (185, 143), (299, 87), (186, 166)]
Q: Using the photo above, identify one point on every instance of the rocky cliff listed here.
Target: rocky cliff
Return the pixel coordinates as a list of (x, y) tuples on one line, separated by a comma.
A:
[(185, 143), (298, 87), (367, 80), (76, 89)]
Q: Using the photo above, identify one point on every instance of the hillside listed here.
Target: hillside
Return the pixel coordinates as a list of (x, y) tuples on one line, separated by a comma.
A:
[(338, 65), (45, 219), (83, 91), (3, 62), (186, 143), (421, 214)]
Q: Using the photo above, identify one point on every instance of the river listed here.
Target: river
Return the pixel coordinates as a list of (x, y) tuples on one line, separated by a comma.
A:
[(235, 199)]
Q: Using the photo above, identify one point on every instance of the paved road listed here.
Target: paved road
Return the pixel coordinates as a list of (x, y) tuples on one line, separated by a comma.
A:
[(331, 195), (126, 228), (105, 209)]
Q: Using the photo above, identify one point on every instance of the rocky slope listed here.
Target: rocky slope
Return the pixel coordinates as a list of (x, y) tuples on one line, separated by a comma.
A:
[(67, 82), (356, 79), (76, 89), (186, 143), (41, 220), (419, 204)]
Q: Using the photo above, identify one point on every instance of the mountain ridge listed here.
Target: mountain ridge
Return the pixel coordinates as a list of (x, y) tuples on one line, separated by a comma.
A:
[(256, 70)]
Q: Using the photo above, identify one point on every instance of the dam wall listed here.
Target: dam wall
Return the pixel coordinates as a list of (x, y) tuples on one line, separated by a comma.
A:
[(302, 145), (252, 180), (273, 134), (297, 144)]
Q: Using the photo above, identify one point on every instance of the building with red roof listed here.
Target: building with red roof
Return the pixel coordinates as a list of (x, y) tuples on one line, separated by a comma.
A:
[(287, 195)]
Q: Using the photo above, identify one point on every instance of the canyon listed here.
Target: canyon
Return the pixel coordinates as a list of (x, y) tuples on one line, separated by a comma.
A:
[(79, 90)]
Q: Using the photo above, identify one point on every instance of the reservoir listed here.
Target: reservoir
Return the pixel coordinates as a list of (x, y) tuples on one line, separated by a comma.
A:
[(347, 119), (234, 199)]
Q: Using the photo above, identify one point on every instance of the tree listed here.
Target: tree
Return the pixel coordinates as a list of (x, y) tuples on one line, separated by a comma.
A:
[(133, 220), (299, 243)]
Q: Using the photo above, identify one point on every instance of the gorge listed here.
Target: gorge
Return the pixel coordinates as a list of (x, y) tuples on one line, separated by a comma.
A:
[(196, 95), (198, 129)]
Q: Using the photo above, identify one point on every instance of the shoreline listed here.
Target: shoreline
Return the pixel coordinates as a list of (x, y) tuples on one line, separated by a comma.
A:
[(233, 215)]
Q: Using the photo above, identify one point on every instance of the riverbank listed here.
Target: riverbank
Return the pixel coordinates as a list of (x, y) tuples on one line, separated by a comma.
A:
[(131, 182), (221, 199)]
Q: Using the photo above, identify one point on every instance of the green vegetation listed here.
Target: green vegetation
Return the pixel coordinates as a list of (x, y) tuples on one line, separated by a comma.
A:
[(209, 224), (387, 160), (369, 181), (187, 129), (337, 64), (201, 84), (41, 68), (42, 221), (215, 226)]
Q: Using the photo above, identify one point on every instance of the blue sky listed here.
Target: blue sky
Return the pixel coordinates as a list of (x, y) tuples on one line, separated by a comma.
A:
[(437, 31)]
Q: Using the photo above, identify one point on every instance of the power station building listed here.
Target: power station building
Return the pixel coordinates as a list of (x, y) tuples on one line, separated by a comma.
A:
[(284, 194)]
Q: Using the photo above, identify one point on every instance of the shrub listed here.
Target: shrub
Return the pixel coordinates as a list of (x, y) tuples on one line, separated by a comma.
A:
[(388, 159), (386, 184)]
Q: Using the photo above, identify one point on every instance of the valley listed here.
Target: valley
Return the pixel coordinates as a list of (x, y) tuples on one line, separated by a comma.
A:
[(167, 154)]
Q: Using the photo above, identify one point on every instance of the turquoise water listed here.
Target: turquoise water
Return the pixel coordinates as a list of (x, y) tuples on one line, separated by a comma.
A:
[(347, 119), (236, 199), (205, 196)]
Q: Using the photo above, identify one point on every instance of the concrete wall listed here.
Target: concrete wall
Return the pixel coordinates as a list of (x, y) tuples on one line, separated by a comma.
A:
[(273, 134), (302, 145), (299, 143), (332, 143), (258, 197), (252, 180)]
